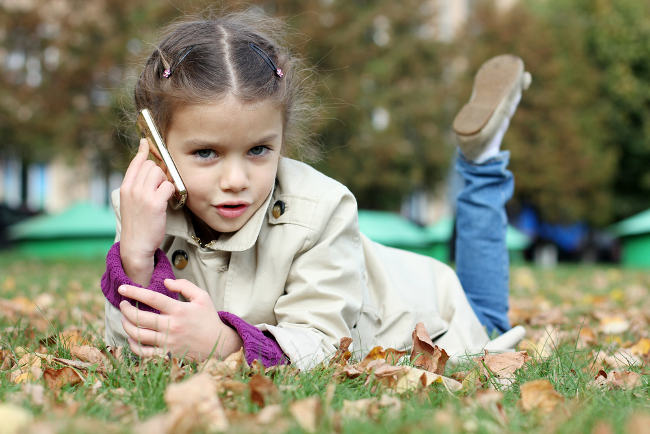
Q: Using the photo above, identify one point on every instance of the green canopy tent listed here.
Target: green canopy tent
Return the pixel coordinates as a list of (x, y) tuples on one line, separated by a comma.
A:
[(82, 230), (393, 230), (634, 233)]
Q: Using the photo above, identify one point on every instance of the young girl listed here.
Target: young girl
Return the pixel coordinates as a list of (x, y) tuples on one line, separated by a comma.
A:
[(267, 253)]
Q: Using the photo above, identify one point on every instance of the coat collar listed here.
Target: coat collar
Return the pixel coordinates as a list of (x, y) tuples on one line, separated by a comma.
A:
[(180, 225)]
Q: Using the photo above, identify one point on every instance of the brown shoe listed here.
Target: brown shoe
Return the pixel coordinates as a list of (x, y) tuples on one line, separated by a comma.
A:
[(497, 86)]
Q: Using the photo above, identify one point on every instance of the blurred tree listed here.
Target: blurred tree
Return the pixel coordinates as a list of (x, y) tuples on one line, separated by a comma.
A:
[(385, 134), (580, 145)]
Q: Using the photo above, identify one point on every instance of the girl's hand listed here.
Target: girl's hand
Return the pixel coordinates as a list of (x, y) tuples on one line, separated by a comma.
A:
[(144, 194), (189, 329)]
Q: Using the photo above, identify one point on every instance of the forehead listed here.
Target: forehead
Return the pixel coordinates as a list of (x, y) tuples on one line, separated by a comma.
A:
[(227, 120)]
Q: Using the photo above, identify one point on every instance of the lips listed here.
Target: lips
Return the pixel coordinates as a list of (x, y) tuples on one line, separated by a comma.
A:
[(231, 210)]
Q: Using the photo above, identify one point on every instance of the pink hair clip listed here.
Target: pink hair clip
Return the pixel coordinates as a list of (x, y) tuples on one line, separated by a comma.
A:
[(167, 73), (279, 73)]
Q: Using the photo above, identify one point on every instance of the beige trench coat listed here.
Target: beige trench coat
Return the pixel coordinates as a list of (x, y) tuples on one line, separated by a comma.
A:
[(309, 277)]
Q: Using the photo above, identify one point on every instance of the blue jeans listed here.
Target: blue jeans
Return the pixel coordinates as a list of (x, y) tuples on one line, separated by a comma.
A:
[(482, 261)]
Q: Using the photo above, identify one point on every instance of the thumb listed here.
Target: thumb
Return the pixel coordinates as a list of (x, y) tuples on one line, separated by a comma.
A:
[(184, 287)]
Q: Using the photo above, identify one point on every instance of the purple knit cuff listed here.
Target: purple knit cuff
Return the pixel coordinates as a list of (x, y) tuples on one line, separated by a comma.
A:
[(115, 276), (257, 345)]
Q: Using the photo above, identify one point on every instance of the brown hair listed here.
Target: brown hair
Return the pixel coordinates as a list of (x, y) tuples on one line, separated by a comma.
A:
[(211, 57)]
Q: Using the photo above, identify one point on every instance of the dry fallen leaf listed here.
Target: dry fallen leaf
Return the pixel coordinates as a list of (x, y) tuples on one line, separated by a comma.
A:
[(415, 378), (269, 414), (91, 355), (193, 404), (389, 355), (618, 379), (356, 409), (641, 348), (343, 353), (228, 367), (539, 395), (638, 423), (14, 419), (55, 379), (67, 338), (586, 337), (620, 359), (263, 390), (307, 412), (425, 354), (613, 324), (502, 365), (29, 369), (545, 344)]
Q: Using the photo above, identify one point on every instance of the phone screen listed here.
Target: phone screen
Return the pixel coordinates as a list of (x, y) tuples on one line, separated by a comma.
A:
[(149, 131)]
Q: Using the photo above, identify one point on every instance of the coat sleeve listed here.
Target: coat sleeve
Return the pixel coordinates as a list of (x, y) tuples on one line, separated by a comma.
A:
[(325, 287)]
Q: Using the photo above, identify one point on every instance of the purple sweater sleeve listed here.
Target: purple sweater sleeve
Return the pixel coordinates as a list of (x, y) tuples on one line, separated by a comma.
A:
[(257, 345), (114, 276)]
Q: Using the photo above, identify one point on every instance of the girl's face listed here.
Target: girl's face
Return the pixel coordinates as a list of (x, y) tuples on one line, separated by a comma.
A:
[(227, 154)]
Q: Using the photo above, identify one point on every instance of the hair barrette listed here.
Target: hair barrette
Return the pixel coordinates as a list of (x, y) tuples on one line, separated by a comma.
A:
[(169, 71), (267, 59)]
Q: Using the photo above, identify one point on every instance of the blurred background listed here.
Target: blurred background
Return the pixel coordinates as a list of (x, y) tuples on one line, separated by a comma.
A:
[(391, 76)]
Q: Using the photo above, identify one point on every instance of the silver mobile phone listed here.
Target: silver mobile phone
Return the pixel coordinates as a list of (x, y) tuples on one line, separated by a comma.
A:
[(149, 131)]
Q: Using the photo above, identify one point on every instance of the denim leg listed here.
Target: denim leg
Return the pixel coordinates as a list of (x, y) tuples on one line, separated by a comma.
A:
[(482, 261)]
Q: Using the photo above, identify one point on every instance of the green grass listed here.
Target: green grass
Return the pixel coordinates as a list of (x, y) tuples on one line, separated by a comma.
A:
[(134, 390)]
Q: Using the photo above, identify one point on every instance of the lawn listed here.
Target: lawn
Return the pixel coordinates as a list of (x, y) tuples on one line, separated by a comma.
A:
[(584, 368)]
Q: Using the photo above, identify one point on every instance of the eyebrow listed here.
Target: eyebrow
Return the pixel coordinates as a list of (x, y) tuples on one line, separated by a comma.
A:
[(198, 143)]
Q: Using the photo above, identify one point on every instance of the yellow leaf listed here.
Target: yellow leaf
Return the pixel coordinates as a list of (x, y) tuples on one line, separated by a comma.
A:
[(540, 395), (307, 412), (29, 369), (614, 324), (641, 348), (14, 419)]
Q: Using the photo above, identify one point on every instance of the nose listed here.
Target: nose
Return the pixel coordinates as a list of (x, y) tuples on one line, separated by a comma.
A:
[(233, 176)]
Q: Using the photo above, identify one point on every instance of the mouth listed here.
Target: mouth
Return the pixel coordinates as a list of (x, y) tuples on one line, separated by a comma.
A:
[(232, 209)]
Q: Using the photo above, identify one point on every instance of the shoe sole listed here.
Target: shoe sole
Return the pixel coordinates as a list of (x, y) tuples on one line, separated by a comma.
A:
[(494, 82)]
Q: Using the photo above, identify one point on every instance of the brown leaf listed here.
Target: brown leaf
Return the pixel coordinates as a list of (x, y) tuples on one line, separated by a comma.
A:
[(618, 379), (415, 378), (586, 337), (67, 338), (342, 354), (194, 404), (539, 395), (29, 369), (55, 379), (91, 355), (425, 354), (269, 414), (502, 365), (389, 355), (228, 367), (262, 390), (6, 360), (545, 344), (620, 359), (638, 423), (307, 412)]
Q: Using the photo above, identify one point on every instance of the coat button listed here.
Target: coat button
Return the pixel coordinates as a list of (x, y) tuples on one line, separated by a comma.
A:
[(278, 209), (180, 259)]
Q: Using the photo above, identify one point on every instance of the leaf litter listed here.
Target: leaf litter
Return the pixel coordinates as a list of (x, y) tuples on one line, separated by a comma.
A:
[(211, 395)]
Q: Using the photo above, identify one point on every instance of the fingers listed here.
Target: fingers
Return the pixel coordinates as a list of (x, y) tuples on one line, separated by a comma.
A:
[(140, 335), (140, 157), (143, 318), (150, 298), (165, 191), (186, 288), (144, 350)]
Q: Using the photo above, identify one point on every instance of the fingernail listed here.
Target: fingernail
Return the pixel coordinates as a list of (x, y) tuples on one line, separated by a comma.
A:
[(121, 289)]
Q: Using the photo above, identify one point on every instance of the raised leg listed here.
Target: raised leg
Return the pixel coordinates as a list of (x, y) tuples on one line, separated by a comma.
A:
[(482, 261)]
